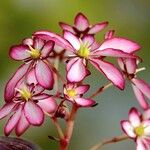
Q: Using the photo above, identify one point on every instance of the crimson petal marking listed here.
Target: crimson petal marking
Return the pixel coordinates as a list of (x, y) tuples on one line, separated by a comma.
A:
[(140, 97), (66, 27), (38, 43), (85, 102), (77, 71), (46, 35), (10, 86), (81, 22), (142, 86), (131, 65), (44, 75), (27, 41), (123, 44), (128, 128), (82, 89), (88, 39), (113, 53), (73, 40), (140, 144), (134, 117), (110, 71), (6, 109), (97, 27), (46, 50), (40, 96), (33, 113), (48, 105), (109, 34), (22, 125), (12, 122), (19, 52)]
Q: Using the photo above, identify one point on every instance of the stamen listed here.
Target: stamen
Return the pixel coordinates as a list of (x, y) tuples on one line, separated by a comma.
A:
[(35, 53)]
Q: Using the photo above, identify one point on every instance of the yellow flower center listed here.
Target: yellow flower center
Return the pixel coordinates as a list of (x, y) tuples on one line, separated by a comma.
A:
[(71, 93), (25, 93), (84, 50), (139, 131), (35, 53)]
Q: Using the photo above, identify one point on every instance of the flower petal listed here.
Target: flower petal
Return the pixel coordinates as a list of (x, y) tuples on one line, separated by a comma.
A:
[(46, 35), (73, 40), (38, 43), (110, 71), (140, 145), (27, 41), (66, 27), (19, 52), (82, 89), (6, 109), (44, 75), (85, 102), (146, 114), (88, 39), (131, 65), (46, 50), (31, 78), (81, 22), (142, 86), (33, 113), (12, 122), (71, 62), (134, 117), (97, 27), (140, 97), (109, 34), (22, 125), (128, 128), (77, 71), (121, 63), (123, 44), (40, 96), (48, 105), (10, 86)]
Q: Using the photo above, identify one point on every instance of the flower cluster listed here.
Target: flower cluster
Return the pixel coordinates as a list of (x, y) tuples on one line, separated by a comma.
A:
[(37, 88)]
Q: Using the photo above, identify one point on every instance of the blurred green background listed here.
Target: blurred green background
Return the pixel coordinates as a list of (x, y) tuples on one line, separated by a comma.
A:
[(130, 18)]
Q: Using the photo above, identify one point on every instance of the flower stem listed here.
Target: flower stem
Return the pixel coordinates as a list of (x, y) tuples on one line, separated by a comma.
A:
[(109, 141), (101, 89), (69, 129)]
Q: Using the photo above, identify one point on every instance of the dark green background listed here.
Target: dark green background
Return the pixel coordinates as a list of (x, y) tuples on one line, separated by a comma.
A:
[(130, 18)]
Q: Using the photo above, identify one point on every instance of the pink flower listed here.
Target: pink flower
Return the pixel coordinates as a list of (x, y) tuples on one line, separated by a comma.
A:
[(27, 107), (140, 87), (35, 52), (73, 93), (82, 27), (138, 129)]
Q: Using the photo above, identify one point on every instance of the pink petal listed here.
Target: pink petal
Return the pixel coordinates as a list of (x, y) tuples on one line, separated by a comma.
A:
[(48, 105), (73, 40), (19, 52), (44, 75), (66, 27), (33, 113), (109, 34), (140, 97), (6, 109), (125, 45), (31, 77), (71, 62), (40, 96), (146, 114), (46, 50), (77, 71), (12, 122), (140, 145), (38, 43), (88, 39), (22, 125), (110, 71), (121, 63), (82, 89), (134, 117), (128, 128), (85, 102), (113, 53), (131, 65), (81, 22), (46, 35), (9, 89), (27, 41), (97, 27), (142, 86)]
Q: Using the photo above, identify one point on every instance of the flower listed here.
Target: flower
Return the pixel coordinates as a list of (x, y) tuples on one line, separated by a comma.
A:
[(140, 87), (137, 128), (74, 92), (82, 27), (27, 106), (35, 52)]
